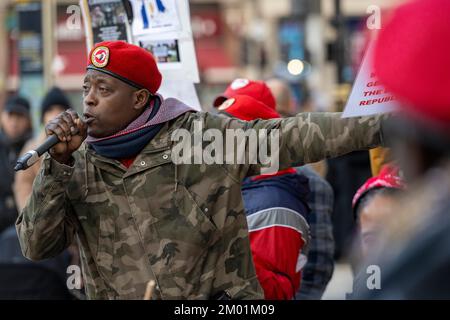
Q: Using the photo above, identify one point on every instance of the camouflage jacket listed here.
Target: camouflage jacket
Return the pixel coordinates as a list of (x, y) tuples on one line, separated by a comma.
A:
[(181, 225)]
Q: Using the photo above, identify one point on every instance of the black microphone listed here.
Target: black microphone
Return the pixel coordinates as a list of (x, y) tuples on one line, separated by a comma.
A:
[(32, 156)]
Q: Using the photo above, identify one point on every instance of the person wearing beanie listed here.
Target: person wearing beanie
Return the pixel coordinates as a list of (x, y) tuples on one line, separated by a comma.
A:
[(373, 204), (15, 130), (414, 254), (19, 277), (54, 102), (277, 215), (320, 256), (141, 204), (320, 264), (318, 270)]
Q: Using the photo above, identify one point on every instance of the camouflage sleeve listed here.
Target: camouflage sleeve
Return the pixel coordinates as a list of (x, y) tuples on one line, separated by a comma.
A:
[(294, 141), (46, 226)]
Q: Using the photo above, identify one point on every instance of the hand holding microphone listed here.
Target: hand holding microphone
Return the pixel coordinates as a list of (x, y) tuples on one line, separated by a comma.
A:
[(65, 134)]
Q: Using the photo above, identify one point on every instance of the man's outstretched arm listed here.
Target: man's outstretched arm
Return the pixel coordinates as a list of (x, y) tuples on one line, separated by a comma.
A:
[(305, 138)]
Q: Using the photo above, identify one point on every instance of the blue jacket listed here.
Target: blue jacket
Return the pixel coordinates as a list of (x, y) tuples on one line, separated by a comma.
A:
[(288, 191), (277, 216)]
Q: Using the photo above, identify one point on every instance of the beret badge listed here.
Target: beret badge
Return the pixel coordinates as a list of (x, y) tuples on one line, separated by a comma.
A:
[(100, 57)]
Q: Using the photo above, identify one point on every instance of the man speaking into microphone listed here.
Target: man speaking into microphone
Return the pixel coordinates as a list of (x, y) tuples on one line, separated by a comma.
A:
[(137, 214)]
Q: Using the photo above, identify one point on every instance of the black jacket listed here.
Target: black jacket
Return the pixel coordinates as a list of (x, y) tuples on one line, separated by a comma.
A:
[(9, 152)]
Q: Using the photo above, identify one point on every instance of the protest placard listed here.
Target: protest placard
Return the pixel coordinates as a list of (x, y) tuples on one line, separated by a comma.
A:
[(163, 27), (105, 20), (182, 90), (368, 96), (155, 16)]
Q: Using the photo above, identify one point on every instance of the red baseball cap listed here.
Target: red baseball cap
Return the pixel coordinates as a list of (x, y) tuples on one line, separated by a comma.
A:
[(388, 177), (247, 108), (412, 58), (126, 62), (245, 87)]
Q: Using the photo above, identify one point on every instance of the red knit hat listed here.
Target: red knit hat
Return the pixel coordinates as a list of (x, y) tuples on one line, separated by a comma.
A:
[(245, 87), (412, 58), (247, 108), (387, 178), (126, 62)]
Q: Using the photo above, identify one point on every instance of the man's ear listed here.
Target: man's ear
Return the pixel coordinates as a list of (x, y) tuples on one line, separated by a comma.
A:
[(141, 98)]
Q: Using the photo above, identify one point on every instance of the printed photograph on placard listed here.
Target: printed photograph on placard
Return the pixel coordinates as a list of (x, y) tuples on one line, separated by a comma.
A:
[(155, 16), (108, 20), (166, 52)]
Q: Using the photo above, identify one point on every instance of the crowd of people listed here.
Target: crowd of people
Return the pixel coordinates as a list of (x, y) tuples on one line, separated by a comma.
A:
[(109, 199), (21, 278)]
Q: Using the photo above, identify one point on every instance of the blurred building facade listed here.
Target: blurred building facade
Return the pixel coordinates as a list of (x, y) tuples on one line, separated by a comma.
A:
[(258, 39), (233, 38)]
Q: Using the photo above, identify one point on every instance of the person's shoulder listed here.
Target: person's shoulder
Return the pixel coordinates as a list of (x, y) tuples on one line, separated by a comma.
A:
[(311, 174), (315, 179), (203, 118), (183, 120), (200, 115)]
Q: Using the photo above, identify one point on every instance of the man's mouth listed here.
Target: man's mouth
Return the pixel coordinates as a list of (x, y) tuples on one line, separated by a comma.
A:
[(88, 118)]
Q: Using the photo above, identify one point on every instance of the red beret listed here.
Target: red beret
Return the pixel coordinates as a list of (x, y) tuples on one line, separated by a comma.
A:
[(412, 58), (126, 62), (247, 108), (244, 87)]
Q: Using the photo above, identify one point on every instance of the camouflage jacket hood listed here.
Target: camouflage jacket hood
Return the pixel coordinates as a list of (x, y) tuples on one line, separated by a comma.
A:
[(181, 225)]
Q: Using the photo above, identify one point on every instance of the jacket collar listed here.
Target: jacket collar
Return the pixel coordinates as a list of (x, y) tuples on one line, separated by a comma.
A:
[(156, 152)]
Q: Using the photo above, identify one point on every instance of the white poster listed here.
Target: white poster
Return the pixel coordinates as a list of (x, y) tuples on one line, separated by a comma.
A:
[(176, 57), (166, 52), (182, 90), (163, 27), (368, 96), (171, 42), (155, 16)]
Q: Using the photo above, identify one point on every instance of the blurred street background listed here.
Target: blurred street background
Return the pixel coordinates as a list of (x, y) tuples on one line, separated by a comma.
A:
[(314, 45)]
